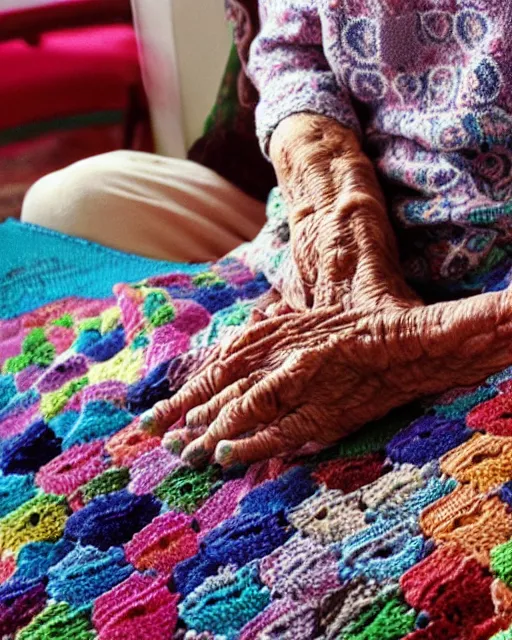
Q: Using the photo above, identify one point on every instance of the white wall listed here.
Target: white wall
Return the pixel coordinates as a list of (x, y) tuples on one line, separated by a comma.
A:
[(184, 47)]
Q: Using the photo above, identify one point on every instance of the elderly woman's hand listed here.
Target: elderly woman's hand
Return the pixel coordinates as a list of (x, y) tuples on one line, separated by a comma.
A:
[(316, 376), (343, 246), (355, 340)]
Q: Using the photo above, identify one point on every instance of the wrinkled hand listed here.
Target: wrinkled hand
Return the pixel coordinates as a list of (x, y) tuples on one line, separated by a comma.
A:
[(360, 342), (344, 249), (303, 378)]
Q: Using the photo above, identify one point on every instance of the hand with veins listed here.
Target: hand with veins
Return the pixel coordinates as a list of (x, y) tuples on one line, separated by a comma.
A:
[(347, 340)]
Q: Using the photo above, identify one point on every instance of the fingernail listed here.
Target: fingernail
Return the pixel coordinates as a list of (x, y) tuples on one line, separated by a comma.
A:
[(191, 418), (173, 444), (147, 420), (195, 455), (224, 453)]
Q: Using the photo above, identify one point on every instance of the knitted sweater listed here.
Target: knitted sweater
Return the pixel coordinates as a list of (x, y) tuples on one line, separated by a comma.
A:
[(428, 85)]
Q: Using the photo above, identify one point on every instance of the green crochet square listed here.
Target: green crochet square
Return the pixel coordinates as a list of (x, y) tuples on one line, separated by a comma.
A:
[(185, 489)]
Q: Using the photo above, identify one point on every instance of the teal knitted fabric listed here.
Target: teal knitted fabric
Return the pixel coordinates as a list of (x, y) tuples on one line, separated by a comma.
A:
[(38, 266)]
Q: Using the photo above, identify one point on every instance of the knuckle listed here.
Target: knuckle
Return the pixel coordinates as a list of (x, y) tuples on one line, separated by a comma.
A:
[(229, 414), (271, 442), (212, 378), (197, 415)]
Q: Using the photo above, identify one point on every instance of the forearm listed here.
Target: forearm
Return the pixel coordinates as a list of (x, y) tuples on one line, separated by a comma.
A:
[(323, 173)]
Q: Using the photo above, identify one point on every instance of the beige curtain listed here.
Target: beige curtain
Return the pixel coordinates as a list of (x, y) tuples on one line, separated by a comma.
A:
[(183, 46)]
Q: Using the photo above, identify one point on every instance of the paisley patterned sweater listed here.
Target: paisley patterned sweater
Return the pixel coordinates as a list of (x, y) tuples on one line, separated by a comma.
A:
[(428, 85)]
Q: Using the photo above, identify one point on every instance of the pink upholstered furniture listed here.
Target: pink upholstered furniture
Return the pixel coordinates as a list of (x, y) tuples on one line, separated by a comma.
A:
[(70, 86)]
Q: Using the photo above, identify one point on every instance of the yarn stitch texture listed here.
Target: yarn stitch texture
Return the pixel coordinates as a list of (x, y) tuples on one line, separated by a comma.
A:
[(402, 530)]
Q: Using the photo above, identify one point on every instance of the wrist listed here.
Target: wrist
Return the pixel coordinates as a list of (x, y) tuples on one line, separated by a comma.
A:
[(318, 162), (302, 132)]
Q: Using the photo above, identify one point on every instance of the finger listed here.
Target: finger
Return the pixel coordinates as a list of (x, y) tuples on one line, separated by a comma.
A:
[(468, 327), (286, 436), (260, 405), (207, 413), (264, 307), (245, 352), (196, 392), (258, 338), (177, 439), (296, 292), (280, 309), (263, 445), (274, 395), (213, 355)]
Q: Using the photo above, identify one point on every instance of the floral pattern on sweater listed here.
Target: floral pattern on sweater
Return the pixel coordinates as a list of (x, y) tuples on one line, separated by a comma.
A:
[(428, 85)]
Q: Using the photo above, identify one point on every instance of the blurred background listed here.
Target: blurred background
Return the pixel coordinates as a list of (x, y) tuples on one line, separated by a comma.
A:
[(82, 77)]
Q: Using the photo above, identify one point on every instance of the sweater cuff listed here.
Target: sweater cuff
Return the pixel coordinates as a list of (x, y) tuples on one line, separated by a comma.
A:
[(270, 113)]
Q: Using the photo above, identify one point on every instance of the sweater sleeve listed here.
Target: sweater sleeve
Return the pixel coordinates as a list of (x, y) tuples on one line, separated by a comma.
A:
[(288, 66)]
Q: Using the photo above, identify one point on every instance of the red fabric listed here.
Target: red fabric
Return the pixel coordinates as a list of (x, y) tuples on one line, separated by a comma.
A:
[(70, 72), (349, 474), (495, 416), (453, 589), (52, 15)]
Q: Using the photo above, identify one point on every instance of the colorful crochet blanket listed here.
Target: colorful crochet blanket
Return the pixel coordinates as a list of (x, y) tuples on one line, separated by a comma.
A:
[(403, 530)]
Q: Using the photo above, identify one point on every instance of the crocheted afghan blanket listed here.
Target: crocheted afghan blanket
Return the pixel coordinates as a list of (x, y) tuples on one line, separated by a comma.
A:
[(403, 530)]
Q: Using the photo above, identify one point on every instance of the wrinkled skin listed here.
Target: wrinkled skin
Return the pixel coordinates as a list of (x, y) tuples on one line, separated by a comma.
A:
[(346, 340)]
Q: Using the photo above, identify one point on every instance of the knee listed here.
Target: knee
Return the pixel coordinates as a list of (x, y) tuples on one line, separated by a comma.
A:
[(66, 200)]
